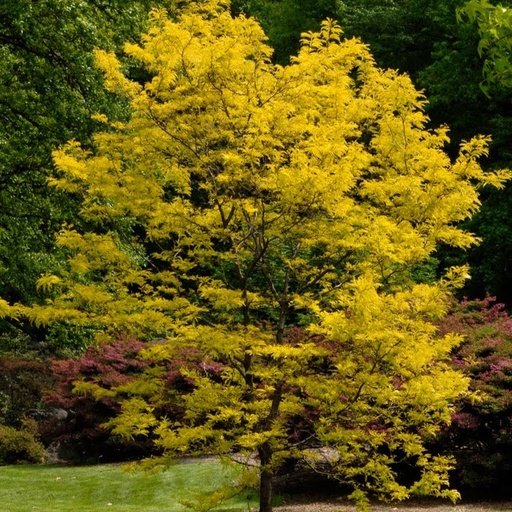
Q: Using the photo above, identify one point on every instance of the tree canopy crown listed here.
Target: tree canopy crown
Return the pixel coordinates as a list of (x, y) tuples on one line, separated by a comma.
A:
[(243, 199)]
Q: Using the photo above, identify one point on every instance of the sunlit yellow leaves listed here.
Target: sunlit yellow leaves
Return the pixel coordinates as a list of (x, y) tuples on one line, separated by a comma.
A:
[(6, 310), (311, 157), (434, 478), (70, 160), (301, 354), (149, 386), (92, 251), (53, 313), (467, 166), (222, 298), (144, 419), (455, 277), (115, 80), (48, 281)]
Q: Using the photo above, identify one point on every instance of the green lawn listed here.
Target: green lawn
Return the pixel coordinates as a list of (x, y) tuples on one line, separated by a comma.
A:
[(109, 488)]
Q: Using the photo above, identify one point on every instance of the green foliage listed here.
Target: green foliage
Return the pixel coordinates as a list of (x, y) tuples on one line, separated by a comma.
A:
[(490, 269), (423, 39), (494, 23), (490, 24), (49, 87), (241, 196), (20, 445), (285, 20), (23, 383), (400, 33)]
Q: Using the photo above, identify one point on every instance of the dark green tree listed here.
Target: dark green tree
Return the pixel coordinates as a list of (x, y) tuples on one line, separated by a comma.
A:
[(285, 20), (49, 88)]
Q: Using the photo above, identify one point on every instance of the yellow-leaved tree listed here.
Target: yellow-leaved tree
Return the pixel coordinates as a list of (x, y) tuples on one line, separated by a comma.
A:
[(271, 220)]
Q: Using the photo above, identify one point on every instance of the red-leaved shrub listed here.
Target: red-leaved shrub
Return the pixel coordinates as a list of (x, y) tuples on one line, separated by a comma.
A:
[(77, 434), (480, 436)]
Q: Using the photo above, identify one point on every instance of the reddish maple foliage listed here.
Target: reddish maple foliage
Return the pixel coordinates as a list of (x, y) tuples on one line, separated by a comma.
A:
[(481, 433), (80, 435)]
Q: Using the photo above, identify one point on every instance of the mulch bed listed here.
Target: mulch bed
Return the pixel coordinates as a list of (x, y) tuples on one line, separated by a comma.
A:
[(304, 503)]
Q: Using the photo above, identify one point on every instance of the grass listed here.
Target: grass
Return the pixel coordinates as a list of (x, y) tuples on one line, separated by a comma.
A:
[(109, 488)]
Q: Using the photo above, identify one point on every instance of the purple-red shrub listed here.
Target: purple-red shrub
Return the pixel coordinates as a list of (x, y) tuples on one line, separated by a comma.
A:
[(77, 432), (480, 436)]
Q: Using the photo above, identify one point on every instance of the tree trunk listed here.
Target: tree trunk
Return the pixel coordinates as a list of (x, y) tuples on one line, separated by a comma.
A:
[(265, 452), (265, 479)]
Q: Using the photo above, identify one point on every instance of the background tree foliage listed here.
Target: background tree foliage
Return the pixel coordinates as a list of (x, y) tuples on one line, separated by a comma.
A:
[(423, 39), (242, 199), (285, 20), (491, 261), (49, 87), (493, 23)]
